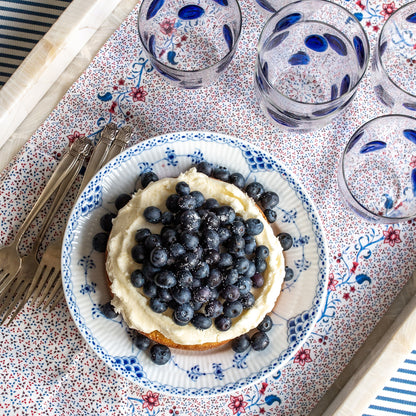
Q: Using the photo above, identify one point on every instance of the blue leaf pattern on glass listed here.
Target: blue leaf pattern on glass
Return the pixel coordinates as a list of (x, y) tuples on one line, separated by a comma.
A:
[(299, 58), (317, 43), (345, 85), (411, 18), (410, 106), (337, 44), (410, 135), (154, 7), (191, 12), (359, 50), (373, 146), (287, 21), (228, 36), (275, 41)]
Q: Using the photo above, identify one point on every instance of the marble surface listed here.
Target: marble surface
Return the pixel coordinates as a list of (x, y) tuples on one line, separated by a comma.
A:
[(31, 96)]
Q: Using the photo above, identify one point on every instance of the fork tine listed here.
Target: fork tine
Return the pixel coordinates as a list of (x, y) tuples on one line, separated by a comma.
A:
[(20, 290), (54, 273), (6, 296), (57, 300), (21, 304), (55, 290), (39, 279), (6, 282)]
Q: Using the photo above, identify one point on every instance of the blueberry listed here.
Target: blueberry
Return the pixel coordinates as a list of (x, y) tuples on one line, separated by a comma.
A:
[(210, 239), (199, 198), (150, 289), (108, 311), (205, 167), (235, 244), (211, 203), (242, 265), (286, 240), (212, 257), (214, 278), (233, 309), (270, 215), (202, 294), (196, 306), (231, 277), (261, 265), (186, 202), (224, 234), (183, 314), (158, 305), (182, 188), (149, 271), (251, 269), (288, 273), (141, 341), (238, 180), (137, 278), (200, 321), (254, 226), (106, 221), (167, 218), (201, 271), (222, 173), (222, 323), (210, 222), (176, 250), (188, 261), (269, 200), (181, 295), (266, 324), (259, 341), (164, 294), (138, 253), (152, 214), (262, 252), (160, 354), (190, 220), (165, 279), (230, 292), (147, 177), (250, 244), (244, 285), (258, 280), (241, 343), (214, 295), (213, 308), (172, 203), (238, 228), (247, 300), (168, 236), (184, 278), (189, 241), (122, 200), (99, 242), (158, 257), (226, 260), (226, 214), (152, 241), (142, 234), (254, 190)]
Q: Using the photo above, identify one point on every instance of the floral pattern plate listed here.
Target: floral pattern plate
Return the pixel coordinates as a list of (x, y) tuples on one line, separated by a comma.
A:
[(219, 370)]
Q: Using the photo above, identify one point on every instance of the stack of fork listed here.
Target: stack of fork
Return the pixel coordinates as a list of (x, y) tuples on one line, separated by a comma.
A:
[(22, 277)]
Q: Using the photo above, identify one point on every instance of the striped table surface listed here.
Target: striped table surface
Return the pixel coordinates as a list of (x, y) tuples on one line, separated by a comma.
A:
[(398, 396), (22, 24)]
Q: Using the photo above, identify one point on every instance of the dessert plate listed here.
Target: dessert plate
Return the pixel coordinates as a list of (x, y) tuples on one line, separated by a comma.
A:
[(219, 370)]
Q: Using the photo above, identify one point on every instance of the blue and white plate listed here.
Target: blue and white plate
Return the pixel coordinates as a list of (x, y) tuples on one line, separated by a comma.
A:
[(219, 370)]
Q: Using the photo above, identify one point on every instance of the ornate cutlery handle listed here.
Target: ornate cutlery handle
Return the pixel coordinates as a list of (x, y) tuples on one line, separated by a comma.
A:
[(69, 162), (120, 143)]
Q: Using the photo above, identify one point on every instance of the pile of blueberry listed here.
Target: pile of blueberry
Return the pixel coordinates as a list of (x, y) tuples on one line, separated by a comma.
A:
[(204, 262)]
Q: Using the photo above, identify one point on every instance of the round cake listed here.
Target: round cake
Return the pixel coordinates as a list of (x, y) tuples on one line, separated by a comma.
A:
[(133, 303)]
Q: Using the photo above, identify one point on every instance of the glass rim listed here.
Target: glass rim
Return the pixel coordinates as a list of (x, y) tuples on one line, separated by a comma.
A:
[(341, 176), (401, 8), (339, 99), (193, 71)]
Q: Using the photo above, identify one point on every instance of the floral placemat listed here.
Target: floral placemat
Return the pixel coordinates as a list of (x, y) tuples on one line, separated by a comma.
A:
[(46, 365)]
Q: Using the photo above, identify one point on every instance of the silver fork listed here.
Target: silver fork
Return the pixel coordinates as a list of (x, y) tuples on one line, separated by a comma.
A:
[(10, 258), (49, 270), (23, 278)]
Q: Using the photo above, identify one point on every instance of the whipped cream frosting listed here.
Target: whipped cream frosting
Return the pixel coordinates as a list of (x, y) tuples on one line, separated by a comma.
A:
[(134, 306)]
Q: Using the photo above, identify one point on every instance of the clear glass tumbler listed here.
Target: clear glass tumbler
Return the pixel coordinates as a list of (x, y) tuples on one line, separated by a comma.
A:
[(312, 55)]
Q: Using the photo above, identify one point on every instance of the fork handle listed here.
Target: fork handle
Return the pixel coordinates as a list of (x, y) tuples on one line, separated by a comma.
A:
[(99, 154), (120, 143), (69, 162)]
